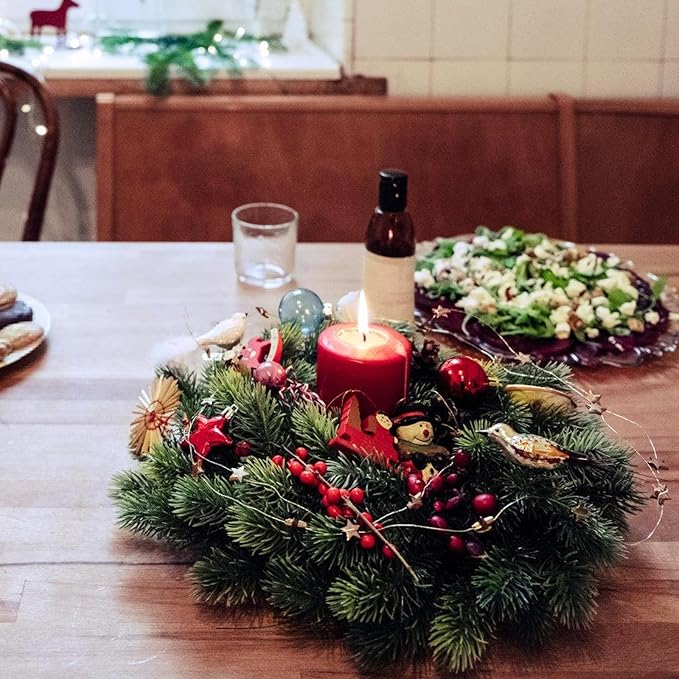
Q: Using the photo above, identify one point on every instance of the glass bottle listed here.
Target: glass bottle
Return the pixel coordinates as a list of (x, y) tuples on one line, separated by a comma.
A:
[(389, 255)]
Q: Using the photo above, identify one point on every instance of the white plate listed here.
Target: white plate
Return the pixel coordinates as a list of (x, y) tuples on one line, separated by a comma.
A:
[(42, 318)]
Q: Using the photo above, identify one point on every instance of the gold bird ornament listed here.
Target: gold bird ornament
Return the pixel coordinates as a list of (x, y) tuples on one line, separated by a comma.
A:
[(531, 450)]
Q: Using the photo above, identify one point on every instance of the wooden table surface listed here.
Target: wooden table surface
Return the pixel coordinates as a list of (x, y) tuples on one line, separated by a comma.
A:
[(79, 598)]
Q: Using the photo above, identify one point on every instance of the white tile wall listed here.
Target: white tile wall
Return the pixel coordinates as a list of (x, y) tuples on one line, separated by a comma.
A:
[(474, 78), (399, 29), (404, 77), (460, 32), (543, 77), (548, 29), (519, 47)]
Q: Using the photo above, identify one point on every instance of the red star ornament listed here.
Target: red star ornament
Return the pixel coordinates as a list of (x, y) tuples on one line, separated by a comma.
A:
[(258, 350), (207, 434)]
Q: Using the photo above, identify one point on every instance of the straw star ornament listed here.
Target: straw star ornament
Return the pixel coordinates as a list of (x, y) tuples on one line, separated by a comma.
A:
[(153, 414)]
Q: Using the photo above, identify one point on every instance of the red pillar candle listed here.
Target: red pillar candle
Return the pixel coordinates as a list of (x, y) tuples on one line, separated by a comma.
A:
[(376, 362)]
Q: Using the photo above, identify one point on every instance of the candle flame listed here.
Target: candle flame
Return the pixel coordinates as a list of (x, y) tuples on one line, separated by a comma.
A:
[(363, 316)]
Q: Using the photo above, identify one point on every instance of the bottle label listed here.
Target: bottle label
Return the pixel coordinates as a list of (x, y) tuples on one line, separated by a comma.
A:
[(389, 287)]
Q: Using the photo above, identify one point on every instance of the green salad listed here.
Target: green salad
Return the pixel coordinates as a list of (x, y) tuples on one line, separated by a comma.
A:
[(535, 286)]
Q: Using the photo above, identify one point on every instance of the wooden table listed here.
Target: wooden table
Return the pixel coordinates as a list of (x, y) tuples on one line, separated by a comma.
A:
[(79, 598)]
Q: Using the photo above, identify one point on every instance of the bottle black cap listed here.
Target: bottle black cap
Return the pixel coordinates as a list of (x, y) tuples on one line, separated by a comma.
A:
[(393, 195)]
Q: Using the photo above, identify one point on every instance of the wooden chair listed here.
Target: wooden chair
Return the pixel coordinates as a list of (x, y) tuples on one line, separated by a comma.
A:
[(12, 80)]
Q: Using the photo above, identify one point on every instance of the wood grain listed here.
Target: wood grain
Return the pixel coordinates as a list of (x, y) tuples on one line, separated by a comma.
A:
[(78, 598)]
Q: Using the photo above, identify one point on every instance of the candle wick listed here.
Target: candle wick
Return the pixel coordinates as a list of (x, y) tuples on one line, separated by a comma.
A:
[(365, 337)]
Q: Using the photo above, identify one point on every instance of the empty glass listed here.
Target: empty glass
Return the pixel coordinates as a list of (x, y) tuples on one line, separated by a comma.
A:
[(264, 238)]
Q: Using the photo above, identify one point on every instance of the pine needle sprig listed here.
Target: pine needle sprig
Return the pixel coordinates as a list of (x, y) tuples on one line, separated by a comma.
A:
[(228, 575)]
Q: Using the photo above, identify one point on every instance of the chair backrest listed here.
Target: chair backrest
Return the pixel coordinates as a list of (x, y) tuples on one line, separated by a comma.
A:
[(11, 78)]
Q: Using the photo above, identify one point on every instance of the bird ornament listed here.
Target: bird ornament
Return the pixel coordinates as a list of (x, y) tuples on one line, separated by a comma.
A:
[(531, 450)]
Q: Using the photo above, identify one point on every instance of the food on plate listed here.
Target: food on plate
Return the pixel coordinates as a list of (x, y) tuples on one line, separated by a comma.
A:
[(19, 311), (8, 295), (17, 336), (537, 294)]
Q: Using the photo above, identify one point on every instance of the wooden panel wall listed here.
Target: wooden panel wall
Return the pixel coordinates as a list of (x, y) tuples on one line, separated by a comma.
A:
[(174, 169)]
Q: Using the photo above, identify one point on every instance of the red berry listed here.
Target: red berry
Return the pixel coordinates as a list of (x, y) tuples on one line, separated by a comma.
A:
[(357, 495), (453, 503), (324, 501), (415, 487), (322, 488), (388, 553), (451, 479), (295, 467), (439, 506), (456, 544), (243, 448), (408, 467), (474, 548), (415, 476), (278, 460), (302, 453), (334, 511), (344, 492), (366, 516), (378, 525), (484, 504), (436, 483), (368, 541), (334, 496), (437, 521), (461, 459), (320, 467), (308, 478), (347, 512)]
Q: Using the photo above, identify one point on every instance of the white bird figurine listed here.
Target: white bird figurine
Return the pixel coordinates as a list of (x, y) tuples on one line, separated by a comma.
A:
[(226, 334), (530, 450)]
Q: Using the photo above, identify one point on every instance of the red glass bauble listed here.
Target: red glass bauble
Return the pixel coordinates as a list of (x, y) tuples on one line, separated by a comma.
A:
[(463, 379), (271, 374)]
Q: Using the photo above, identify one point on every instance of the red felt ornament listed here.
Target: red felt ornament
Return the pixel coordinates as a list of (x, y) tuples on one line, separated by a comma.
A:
[(360, 431), (55, 18), (463, 379), (258, 350), (207, 435)]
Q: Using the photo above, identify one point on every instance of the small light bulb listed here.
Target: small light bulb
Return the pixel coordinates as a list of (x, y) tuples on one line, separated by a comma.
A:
[(25, 108), (218, 37), (240, 32), (212, 49), (40, 130)]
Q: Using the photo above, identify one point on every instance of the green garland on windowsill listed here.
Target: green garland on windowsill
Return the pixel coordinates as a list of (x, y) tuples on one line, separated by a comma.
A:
[(180, 51), (18, 45)]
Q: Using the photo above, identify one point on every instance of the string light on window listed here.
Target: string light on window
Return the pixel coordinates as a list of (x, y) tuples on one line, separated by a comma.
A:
[(212, 49), (48, 50), (4, 54), (218, 37), (240, 32), (26, 108)]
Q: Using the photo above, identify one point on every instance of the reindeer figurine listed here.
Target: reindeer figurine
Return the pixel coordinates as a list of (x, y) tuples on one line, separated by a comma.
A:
[(55, 18)]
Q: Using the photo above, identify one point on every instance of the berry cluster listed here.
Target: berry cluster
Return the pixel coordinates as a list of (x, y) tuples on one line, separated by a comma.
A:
[(451, 504), (333, 499)]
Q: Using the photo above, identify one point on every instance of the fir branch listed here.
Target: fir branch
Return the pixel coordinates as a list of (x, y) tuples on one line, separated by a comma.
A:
[(370, 595), (296, 588), (328, 547), (259, 419), (228, 575), (202, 502), (313, 427), (460, 632)]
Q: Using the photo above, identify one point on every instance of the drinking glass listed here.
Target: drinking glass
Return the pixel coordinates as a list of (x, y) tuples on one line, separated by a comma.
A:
[(264, 238)]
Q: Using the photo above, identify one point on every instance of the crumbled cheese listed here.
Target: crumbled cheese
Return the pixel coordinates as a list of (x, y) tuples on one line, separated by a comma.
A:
[(652, 317), (560, 315), (585, 313), (575, 288), (424, 278), (592, 332), (609, 319), (477, 299), (628, 308), (562, 330), (599, 300)]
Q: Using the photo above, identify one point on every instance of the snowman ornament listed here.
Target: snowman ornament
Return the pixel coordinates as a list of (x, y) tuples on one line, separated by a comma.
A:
[(414, 429)]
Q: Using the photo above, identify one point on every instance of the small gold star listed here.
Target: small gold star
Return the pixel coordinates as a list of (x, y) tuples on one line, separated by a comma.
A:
[(592, 397), (440, 312), (580, 512), (661, 493), (522, 358), (237, 474), (351, 530), (596, 409)]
